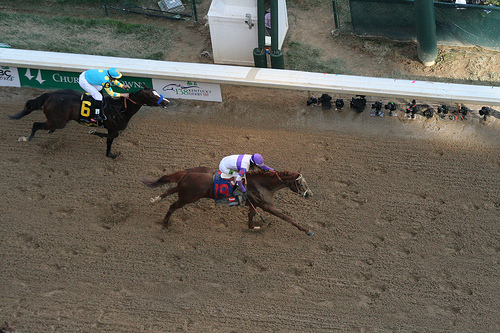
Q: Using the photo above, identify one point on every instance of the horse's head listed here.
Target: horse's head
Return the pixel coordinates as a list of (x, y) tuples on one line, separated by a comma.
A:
[(151, 97), (295, 182), (301, 187)]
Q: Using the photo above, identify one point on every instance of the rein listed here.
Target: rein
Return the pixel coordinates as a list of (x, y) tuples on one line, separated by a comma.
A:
[(125, 101), (160, 99)]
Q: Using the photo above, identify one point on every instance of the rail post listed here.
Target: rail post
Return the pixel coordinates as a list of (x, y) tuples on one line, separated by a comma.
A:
[(425, 21)]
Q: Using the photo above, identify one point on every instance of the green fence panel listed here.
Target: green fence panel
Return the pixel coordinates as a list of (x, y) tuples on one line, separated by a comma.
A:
[(392, 18), (468, 25), (170, 9), (48, 79), (455, 24)]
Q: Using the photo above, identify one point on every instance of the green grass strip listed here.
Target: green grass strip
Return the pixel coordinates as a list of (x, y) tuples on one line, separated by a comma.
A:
[(302, 57), (84, 36)]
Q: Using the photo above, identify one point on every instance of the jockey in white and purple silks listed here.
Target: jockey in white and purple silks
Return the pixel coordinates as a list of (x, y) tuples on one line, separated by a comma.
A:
[(94, 80), (238, 165)]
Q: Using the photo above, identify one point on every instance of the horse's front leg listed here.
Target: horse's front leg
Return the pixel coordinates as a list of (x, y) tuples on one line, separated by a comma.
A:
[(271, 209), (251, 214), (109, 142)]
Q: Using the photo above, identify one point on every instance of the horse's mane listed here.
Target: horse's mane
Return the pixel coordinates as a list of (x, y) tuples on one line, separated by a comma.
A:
[(135, 93), (285, 175), (142, 93)]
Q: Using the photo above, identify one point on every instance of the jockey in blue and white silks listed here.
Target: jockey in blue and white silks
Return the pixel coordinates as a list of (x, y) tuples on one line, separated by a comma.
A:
[(238, 165), (95, 80)]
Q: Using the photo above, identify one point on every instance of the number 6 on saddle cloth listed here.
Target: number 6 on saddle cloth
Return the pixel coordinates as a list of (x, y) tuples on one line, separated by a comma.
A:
[(88, 106), (225, 194)]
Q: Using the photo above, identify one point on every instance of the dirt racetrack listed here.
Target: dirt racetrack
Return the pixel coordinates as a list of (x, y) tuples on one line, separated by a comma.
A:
[(405, 213)]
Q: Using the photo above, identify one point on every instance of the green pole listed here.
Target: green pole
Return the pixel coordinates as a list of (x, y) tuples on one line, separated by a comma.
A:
[(277, 60), (261, 24), (426, 31), (259, 53), (195, 11), (335, 14), (274, 25)]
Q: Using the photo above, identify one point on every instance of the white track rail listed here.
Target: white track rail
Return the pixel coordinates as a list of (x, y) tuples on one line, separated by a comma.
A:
[(424, 91)]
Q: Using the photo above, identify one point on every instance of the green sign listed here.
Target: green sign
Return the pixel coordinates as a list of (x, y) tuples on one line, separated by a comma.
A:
[(48, 79)]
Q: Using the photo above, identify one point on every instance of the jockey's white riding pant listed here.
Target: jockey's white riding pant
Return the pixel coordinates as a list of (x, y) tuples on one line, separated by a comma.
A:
[(234, 174), (234, 177), (225, 176), (93, 90)]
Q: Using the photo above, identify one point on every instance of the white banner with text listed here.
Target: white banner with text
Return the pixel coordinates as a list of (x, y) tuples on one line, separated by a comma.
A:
[(188, 90), (9, 77)]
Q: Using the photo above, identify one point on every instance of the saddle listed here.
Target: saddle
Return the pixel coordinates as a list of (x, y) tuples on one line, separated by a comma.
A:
[(226, 194), (110, 108)]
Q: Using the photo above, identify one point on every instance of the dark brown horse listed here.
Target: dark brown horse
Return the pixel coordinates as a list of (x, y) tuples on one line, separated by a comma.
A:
[(61, 106), (194, 184)]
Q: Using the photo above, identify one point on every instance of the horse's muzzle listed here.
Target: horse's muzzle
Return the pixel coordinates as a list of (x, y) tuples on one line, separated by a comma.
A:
[(164, 103)]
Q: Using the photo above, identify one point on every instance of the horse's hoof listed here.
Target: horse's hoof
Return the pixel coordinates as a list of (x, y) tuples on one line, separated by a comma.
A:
[(310, 233), (153, 200), (22, 139), (92, 131)]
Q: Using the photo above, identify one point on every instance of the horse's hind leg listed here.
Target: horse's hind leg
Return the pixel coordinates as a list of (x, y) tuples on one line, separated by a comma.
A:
[(38, 126), (173, 207), (166, 194)]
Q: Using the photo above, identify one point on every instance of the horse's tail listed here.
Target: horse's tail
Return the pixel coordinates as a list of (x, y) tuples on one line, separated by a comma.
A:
[(167, 179), (32, 105)]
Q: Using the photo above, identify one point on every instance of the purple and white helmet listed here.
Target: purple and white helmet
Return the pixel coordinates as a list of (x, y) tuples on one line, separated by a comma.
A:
[(257, 159)]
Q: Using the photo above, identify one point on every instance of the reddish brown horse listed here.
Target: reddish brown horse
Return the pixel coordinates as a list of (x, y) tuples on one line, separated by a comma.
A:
[(61, 106), (194, 184)]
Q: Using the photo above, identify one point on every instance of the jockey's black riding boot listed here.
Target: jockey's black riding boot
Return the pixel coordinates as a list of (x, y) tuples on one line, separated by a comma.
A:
[(99, 112)]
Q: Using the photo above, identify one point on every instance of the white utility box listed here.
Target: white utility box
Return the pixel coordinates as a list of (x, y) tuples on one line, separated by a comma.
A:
[(234, 32)]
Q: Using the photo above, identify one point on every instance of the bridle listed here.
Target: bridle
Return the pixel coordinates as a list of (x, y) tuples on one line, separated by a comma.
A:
[(296, 184), (160, 97)]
